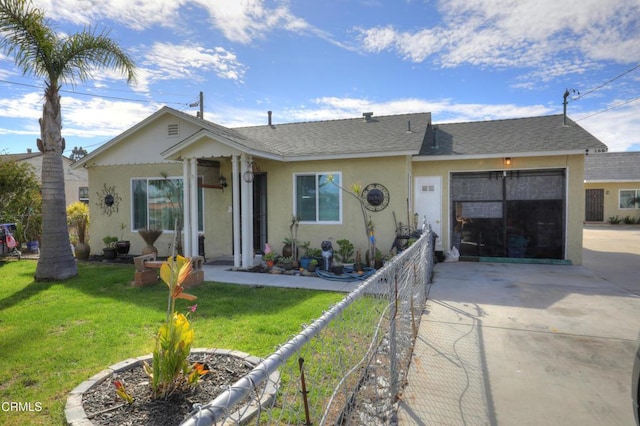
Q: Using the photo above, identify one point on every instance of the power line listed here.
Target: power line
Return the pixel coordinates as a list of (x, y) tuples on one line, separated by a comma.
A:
[(610, 108), (118, 98), (582, 95)]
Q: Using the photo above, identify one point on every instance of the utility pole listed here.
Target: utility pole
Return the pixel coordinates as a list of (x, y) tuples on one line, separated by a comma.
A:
[(200, 114), (567, 92)]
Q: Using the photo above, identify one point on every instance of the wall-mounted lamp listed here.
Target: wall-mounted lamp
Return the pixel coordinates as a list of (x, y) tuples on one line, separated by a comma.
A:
[(223, 181), (507, 161), (248, 175)]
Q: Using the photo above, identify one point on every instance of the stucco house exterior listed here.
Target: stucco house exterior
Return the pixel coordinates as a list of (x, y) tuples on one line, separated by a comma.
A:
[(611, 180), (480, 185), (76, 181)]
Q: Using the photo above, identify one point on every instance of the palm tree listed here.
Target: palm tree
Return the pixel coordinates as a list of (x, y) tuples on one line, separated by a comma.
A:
[(38, 50)]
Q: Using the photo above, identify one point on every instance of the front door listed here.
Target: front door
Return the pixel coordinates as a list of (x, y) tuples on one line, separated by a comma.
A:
[(428, 204), (594, 205)]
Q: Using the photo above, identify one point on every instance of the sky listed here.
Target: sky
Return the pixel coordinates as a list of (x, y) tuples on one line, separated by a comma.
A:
[(461, 60)]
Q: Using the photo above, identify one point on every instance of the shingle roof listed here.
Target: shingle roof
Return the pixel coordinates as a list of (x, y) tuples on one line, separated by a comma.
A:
[(228, 134), (612, 166), (536, 134), (355, 136), (20, 157)]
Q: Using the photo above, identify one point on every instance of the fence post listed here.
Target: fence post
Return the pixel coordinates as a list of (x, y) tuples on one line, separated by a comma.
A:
[(393, 367)]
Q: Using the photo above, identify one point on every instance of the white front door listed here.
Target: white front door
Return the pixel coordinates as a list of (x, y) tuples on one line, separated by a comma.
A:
[(428, 204)]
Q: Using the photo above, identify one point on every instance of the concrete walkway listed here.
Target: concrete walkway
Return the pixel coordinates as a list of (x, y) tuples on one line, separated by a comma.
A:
[(521, 344)]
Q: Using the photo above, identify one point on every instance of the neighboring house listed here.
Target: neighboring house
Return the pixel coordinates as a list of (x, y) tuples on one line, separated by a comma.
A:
[(76, 181), (481, 186), (611, 182)]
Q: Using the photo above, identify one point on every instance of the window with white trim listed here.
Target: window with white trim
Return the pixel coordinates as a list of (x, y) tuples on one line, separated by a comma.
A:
[(83, 194), (157, 202), (317, 197), (629, 199)]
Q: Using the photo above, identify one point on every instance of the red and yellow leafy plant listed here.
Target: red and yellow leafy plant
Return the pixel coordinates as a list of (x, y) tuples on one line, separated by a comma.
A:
[(170, 370)]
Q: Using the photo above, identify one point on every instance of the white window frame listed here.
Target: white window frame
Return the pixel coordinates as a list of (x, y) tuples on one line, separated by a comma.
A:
[(156, 178), (340, 200)]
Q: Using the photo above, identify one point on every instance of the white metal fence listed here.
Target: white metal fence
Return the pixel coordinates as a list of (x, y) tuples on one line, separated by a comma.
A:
[(346, 367)]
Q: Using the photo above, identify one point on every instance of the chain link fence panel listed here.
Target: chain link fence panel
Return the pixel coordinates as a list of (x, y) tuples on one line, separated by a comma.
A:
[(348, 366)]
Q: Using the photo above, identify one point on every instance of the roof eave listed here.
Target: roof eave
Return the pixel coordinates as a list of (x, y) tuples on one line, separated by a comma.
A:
[(611, 180), (498, 155)]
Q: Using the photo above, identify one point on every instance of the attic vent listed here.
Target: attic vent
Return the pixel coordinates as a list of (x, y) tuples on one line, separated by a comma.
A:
[(367, 116), (428, 188), (172, 130)]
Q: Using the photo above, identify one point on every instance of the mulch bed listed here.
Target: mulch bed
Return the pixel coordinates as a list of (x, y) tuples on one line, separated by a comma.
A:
[(103, 407)]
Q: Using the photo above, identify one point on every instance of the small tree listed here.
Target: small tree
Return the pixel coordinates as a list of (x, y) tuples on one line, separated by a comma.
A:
[(78, 220), (20, 199)]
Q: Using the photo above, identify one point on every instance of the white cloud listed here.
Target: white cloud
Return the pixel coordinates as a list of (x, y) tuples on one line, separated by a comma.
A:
[(442, 110), (101, 117), (26, 106), (167, 61), (80, 117), (247, 20), (618, 128), (526, 33), (138, 15)]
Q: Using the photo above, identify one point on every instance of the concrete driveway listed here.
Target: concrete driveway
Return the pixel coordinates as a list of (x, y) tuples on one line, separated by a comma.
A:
[(506, 344)]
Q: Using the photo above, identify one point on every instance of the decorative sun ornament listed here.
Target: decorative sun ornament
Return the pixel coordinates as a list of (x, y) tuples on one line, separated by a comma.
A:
[(376, 197), (108, 199)]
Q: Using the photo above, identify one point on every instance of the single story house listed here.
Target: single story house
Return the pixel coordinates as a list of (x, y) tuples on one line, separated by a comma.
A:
[(76, 181), (484, 187), (611, 181)]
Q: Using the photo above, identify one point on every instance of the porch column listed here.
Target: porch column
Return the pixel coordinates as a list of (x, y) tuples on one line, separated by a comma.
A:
[(193, 208), (235, 182), (186, 218), (247, 213)]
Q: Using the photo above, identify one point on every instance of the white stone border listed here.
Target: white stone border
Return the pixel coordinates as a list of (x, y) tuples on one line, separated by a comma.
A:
[(76, 416)]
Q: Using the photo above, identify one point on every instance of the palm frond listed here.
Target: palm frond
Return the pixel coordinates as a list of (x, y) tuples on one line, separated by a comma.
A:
[(81, 52), (27, 36)]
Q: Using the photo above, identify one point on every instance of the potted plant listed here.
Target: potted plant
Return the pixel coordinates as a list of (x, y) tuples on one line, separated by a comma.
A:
[(123, 246), (150, 235), (109, 250), (287, 247), (306, 257), (313, 264), (285, 263), (269, 258), (78, 221), (345, 252)]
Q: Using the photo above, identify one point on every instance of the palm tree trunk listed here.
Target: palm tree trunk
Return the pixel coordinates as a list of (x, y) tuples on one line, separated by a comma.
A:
[(56, 260)]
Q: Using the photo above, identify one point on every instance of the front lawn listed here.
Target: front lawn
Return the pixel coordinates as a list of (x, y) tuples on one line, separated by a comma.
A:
[(55, 335)]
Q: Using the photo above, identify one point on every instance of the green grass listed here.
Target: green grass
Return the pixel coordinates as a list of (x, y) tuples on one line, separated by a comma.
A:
[(55, 335)]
